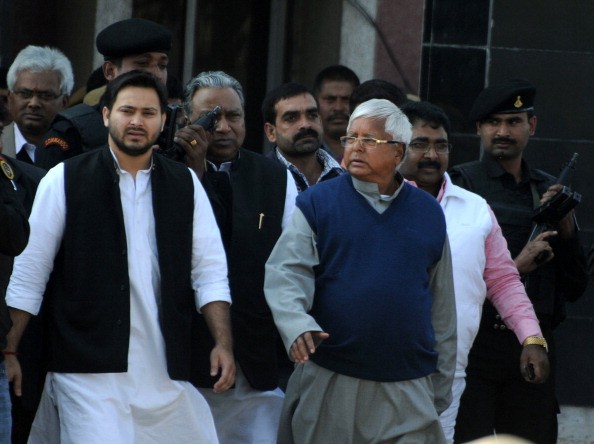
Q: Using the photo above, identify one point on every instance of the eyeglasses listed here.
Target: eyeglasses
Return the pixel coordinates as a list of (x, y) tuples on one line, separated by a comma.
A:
[(44, 96), (424, 147), (366, 142)]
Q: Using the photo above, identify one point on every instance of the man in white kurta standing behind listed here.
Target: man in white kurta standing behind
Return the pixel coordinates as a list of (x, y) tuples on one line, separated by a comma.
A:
[(128, 245)]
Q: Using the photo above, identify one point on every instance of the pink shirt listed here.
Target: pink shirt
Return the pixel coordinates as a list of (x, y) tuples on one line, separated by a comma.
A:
[(504, 288)]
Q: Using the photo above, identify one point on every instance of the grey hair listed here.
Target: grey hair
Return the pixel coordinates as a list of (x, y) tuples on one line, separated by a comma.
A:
[(39, 59), (211, 79), (397, 124)]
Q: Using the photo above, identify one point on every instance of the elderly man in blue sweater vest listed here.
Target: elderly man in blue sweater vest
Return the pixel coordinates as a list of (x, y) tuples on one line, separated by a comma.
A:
[(360, 286)]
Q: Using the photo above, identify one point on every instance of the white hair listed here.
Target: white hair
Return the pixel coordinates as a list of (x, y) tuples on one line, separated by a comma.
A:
[(397, 124), (211, 79), (39, 59)]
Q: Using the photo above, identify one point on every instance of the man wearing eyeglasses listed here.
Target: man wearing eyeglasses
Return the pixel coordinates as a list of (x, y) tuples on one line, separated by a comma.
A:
[(482, 265), (360, 286), (40, 81)]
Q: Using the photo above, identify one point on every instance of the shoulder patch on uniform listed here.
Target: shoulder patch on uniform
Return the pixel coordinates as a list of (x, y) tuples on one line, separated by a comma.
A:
[(6, 169), (56, 141)]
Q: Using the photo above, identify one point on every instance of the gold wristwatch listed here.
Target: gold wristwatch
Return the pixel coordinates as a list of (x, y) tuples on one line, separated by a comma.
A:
[(536, 340)]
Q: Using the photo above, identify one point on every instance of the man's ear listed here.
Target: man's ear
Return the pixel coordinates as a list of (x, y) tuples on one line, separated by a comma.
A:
[(163, 120), (105, 113), (109, 70), (532, 123), (270, 131), (65, 101)]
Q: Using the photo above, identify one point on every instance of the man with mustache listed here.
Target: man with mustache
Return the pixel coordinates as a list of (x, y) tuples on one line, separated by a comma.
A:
[(260, 204), (292, 122), (482, 265), (332, 89), (40, 81), (552, 267)]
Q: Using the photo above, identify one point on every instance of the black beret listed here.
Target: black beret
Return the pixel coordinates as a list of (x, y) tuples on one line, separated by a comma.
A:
[(131, 37), (511, 96)]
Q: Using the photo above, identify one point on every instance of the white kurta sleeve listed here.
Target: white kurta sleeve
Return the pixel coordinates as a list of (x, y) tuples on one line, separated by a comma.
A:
[(289, 282), (209, 263), (33, 267)]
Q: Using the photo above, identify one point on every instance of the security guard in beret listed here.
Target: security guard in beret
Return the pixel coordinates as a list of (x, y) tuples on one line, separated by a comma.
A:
[(131, 44), (498, 395)]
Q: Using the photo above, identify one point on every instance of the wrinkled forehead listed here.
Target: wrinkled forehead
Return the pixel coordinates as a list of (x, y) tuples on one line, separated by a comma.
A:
[(205, 99), (366, 123)]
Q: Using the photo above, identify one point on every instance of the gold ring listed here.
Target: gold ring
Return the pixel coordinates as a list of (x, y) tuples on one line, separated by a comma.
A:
[(194, 142)]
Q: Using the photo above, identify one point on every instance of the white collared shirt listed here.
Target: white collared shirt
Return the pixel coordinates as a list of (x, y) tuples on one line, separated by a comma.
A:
[(20, 142)]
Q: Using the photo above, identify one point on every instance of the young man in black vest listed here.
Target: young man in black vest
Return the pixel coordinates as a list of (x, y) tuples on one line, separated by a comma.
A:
[(129, 248)]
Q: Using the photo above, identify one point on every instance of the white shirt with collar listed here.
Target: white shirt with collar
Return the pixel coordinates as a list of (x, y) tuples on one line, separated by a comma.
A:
[(21, 143)]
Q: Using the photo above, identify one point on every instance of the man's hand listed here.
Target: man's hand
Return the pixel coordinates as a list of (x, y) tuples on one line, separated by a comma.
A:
[(534, 364), (566, 226), (217, 317), (13, 372), (222, 359), (535, 253), (550, 193), (194, 140), (306, 344), (20, 319)]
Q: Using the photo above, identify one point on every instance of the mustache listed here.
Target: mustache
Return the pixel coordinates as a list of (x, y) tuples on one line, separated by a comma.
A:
[(509, 140), (429, 164), (340, 114), (136, 130), (308, 132)]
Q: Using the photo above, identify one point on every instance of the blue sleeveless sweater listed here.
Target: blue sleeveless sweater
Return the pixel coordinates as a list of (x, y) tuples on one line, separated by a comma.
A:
[(372, 285)]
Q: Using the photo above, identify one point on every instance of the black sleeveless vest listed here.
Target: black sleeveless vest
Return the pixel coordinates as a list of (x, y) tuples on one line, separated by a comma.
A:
[(259, 187), (88, 294)]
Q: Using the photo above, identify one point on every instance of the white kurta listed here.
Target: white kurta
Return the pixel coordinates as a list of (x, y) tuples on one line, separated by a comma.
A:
[(142, 405)]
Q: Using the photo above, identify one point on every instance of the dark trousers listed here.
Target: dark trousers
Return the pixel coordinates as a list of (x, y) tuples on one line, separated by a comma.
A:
[(33, 367), (497, 398)]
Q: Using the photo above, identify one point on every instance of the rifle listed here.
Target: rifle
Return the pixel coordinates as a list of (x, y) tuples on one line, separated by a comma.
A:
[(560, 205)]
